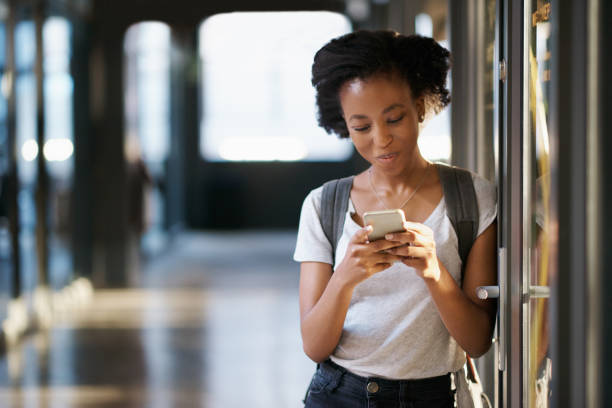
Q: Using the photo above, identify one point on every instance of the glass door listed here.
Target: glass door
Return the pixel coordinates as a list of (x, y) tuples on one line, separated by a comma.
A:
[(528, 221), (539, 225)]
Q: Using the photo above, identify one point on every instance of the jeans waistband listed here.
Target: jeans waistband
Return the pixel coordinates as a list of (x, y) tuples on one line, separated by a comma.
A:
[(380, 386)]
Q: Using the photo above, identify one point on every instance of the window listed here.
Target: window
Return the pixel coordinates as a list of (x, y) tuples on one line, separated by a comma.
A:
[(58, 89), (147, 91), (257, 101), (25, 101), (434, 137)]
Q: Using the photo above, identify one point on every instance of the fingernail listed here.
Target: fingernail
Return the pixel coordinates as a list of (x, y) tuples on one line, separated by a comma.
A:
[(389, 236)]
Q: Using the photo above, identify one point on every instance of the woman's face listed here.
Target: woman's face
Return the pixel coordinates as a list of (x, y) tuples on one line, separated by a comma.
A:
[(383, 120)]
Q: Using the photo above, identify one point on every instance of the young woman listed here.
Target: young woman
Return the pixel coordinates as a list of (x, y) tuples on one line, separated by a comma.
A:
[(389, 320)]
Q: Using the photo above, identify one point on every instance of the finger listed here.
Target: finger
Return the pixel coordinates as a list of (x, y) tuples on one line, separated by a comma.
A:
[(413, 239), (424, 240), (382, 257), (416, 263), (383, 244), (380, 267), (361, 236), (417, 227), (402, 251), (410, 251), (403, 237)]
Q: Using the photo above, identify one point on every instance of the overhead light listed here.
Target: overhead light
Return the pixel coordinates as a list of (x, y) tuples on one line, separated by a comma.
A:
[(423, 25), (29, 150), (57, 150)]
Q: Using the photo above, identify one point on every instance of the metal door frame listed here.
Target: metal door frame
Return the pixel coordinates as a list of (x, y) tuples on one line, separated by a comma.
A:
[(510, 182)]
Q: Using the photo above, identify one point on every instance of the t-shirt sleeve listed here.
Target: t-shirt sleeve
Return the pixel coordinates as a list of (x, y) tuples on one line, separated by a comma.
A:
[(486, 193), (312, 244)]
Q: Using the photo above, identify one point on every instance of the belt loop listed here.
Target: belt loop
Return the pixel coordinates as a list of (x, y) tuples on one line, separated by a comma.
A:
[(338, 373), (402, 395)]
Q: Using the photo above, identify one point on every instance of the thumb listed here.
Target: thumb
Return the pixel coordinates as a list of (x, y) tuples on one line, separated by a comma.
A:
[(361, 236)]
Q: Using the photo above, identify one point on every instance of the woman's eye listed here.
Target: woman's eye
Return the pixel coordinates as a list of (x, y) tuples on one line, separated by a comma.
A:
[(396, 119), (361, 128)]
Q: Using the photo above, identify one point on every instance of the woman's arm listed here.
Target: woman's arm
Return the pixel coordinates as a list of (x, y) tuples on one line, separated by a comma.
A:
[(325, 296), (468, 319), (324, 301)]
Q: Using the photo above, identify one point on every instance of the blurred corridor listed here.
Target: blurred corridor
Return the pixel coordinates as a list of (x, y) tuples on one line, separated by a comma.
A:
[(214, 323), (154, 157)]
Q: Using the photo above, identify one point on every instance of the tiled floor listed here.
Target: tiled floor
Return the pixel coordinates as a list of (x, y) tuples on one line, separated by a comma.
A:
[(215, 324)]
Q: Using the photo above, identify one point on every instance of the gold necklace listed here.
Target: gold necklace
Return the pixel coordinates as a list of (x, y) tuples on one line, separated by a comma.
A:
[(379, 198)]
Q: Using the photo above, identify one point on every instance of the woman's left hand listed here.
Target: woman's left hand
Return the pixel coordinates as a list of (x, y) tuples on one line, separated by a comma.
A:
[(417, 247)]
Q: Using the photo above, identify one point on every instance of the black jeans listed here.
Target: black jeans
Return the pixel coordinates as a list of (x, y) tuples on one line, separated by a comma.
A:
[(333, 386)]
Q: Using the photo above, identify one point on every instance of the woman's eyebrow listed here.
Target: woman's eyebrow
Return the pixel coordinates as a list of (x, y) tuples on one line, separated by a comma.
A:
[(390, 108), (358, 116)]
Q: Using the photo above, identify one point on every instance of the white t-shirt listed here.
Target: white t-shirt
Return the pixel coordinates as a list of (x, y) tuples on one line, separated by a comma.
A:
[(392, 328)]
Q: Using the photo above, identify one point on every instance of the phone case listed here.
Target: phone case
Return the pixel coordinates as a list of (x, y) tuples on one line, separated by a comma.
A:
[(384, 222)]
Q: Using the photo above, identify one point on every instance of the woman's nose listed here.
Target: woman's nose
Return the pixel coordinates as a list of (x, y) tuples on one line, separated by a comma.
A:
[(382, 136)]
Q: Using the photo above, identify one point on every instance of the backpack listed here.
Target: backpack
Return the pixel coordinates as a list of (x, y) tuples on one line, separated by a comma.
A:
[(459, 195)]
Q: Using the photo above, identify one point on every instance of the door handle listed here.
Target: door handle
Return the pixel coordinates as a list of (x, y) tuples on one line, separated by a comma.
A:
[(487, 292), (491, 292), (538, 292)]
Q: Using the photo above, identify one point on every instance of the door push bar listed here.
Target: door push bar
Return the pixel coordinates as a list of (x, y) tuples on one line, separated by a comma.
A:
[(491, 292)]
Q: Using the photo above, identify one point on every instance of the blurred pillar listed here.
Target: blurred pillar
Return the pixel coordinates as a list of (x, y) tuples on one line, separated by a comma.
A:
[(602, 217), (196, 204), (183, 111), (42, 185), (467, 44), (13, 188), (84, 187), (108, 163), (570, 111)]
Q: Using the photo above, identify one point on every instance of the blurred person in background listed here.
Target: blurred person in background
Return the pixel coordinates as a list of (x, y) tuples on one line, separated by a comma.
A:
[(139, 189)]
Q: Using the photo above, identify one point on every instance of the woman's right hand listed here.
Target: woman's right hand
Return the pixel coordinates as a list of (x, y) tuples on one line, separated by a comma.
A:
[(364, 258)]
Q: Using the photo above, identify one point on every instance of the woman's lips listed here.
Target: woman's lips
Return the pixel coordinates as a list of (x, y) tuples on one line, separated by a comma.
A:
[(385, 158)]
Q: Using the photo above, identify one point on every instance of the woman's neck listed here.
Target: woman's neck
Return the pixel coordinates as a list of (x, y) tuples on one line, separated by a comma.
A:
[(407, 179)]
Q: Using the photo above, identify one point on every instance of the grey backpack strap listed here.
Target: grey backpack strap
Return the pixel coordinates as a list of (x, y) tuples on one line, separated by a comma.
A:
[(461, 206), (334, 204)]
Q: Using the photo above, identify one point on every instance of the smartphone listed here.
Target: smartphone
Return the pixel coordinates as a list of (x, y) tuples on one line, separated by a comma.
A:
[(384, 222)]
